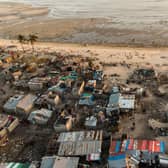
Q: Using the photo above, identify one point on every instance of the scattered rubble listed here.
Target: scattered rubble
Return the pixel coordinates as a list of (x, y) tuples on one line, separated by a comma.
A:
[(61, 109)]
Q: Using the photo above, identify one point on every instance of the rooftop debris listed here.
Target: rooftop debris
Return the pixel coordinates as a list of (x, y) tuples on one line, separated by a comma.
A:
[(41, 116), (61, 108), (7, 125)]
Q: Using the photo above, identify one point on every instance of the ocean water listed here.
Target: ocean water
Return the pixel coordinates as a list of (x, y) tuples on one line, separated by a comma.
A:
[(120, 11)]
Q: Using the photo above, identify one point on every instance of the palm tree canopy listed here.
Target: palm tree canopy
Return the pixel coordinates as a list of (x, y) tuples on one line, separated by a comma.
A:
[(21, 38), (33, 38)]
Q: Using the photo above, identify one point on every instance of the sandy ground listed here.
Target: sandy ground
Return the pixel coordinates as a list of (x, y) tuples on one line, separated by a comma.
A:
[(19, 18), (20, 11), (135, 57), (110, 57)]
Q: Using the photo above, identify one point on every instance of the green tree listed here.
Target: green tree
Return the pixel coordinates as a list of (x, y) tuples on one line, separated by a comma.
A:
[(32, 39), (21, 39)]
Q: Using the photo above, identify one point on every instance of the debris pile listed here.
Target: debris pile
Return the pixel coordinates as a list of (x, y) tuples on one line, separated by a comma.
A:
[(64, 110)]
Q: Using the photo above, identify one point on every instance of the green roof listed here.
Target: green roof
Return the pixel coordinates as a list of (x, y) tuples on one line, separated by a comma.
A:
[(65, 77), (68, 77), (18, 165), (86, 95)]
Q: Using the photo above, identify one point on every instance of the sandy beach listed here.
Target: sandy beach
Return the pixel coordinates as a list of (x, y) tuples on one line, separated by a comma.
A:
[(135, 57), (18, 18)]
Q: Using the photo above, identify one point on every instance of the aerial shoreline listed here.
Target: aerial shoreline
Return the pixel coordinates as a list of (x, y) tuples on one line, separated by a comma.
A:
[(16, 18), (83, 84), (152, 57), (42, 44)]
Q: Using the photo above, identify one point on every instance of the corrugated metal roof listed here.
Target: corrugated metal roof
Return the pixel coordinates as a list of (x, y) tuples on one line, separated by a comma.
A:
[(80, 136), (127, 101), (113, 100), (66, 162), (79, 148), (141, 145), (10, 105), (40, 116), (14, 165), (27, 102), (80, 143), (117, 161), (48, 162), (91, 121)]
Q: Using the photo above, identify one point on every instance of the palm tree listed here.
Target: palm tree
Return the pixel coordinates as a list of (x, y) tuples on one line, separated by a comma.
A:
[(32, 39), (21, 39)]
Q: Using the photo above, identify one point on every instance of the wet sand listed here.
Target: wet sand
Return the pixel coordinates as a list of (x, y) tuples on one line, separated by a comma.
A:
[(24, 19), (19, 11)]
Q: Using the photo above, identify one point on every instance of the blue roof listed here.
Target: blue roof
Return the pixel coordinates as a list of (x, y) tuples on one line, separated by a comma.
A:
[(117, 161), (117, 157), (117, 149), (162, 147), (114, 99), (47, 162)]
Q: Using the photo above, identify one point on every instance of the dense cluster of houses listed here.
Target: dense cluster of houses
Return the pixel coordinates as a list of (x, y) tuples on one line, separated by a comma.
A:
[(84, 108)]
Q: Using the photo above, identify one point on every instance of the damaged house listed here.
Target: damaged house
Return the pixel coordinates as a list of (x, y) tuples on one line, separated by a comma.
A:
[(98, 75), (38, 83), (91, 122), (120, 102), (10, 105), (82, 143), (113, 105), (60, 88), (134, 153), (143, 74), (86, 99), (90, 86), (63, 124), (40, 117), (59, 162), (126, 103), (7, 125), (26, 104)]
